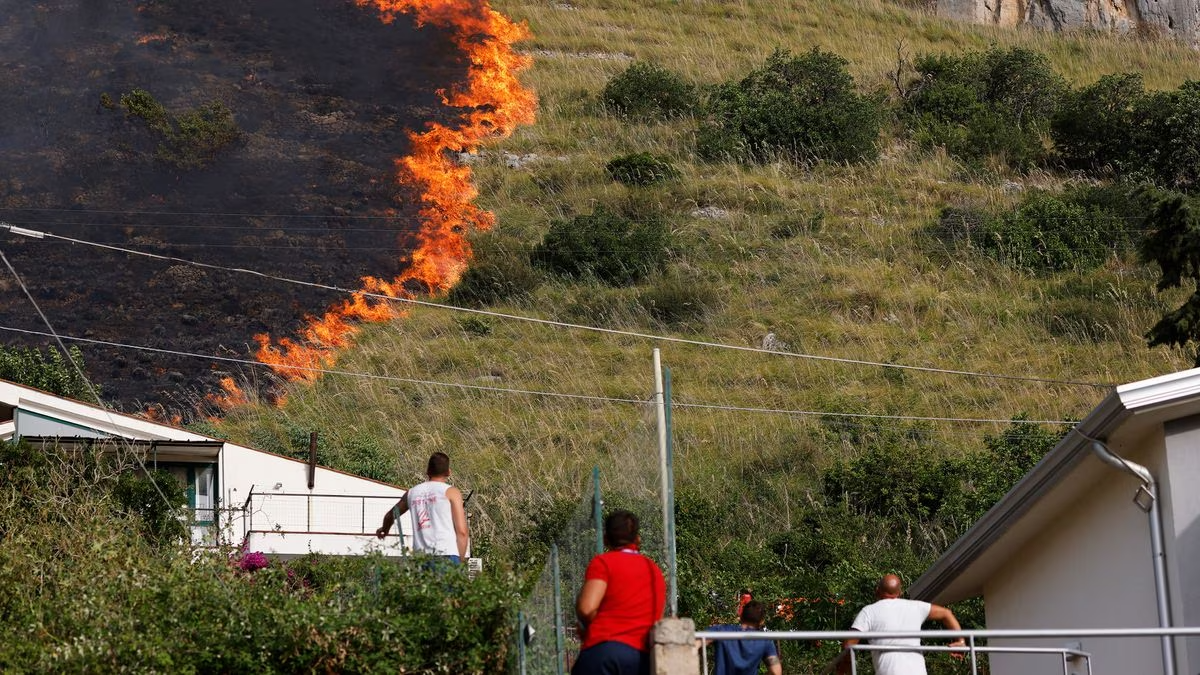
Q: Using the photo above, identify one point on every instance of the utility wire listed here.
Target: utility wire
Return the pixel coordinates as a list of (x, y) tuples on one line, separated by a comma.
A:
[(82, 376), (558, 324), (530, 392)]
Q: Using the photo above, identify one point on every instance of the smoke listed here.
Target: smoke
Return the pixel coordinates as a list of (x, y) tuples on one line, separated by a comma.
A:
[(326, 95)]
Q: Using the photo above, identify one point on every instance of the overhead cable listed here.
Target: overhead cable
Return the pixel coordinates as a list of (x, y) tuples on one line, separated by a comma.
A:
[(558, 324), (530, 392)]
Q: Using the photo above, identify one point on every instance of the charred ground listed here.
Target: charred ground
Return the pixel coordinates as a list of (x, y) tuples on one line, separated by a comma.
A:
[(322, 92)]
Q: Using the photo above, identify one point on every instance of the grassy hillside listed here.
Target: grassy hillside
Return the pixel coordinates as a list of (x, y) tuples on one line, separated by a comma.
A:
[(858, 282)]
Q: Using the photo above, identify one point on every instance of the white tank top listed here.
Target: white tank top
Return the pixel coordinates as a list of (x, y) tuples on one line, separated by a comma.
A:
[(432, 519)]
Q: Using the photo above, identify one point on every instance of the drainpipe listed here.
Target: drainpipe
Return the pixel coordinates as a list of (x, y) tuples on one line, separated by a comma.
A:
[(1148, 492)]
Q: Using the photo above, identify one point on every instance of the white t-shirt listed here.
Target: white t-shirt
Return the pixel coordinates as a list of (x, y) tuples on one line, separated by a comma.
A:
[(894, 614), (432, 519)]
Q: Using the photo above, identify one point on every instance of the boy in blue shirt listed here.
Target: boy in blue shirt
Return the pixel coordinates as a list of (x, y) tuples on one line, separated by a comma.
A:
[(741, 657)]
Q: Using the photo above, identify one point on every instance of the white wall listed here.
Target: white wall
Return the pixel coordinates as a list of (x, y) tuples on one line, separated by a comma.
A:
[(338, 515), (1181, 513), (1091, 569)]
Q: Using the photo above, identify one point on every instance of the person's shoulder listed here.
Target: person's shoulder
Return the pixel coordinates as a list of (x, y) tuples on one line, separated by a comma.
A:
[(723, 628)]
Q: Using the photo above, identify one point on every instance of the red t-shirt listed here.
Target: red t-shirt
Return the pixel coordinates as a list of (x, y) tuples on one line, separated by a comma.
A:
[(633, 600)]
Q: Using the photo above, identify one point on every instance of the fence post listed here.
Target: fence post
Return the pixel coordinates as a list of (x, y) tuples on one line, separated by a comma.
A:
[(559, 646), (669, 526), (521, 642), (598, 510)]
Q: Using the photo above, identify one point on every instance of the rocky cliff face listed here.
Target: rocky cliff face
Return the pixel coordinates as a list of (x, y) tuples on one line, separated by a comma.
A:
[(1179, 19)]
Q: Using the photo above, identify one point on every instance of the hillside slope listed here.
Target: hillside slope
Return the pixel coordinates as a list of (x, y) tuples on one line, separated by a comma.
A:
[(857, 285)]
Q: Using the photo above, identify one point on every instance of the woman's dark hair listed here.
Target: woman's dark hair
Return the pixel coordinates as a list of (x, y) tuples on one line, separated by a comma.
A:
[(620, 529)]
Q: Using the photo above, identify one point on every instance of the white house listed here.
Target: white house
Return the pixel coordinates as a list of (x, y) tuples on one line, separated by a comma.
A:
[(1073, 545), (238, 496)]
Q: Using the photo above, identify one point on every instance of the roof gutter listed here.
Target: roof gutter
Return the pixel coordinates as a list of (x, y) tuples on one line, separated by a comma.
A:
[(1146, 499), (1065, 456)]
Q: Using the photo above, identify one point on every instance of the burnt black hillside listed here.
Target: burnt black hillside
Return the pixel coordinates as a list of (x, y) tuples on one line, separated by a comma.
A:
[(322, 92)]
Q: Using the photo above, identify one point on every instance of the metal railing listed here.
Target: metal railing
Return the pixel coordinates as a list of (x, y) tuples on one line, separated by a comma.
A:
[(971, 650), (315, 513)]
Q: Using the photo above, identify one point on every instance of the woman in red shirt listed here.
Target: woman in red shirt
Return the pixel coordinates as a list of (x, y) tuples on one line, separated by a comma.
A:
[(623, 596)]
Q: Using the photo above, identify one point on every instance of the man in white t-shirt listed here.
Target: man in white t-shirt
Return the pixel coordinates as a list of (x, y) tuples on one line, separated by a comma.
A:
[(439, 519), (891, 613)]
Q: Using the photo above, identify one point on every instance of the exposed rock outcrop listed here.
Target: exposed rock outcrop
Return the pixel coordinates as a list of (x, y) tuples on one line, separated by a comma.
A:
[(1179, 19)]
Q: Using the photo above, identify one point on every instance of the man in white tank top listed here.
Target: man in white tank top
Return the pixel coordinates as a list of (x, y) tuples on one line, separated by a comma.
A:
[(439, 521), (892, 613)]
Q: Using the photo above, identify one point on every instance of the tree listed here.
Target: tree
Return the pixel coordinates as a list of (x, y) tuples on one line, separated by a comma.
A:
[(1173, 242)]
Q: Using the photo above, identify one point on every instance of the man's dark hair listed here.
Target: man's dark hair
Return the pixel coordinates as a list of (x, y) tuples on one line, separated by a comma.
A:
[(754, 613), (439, 465), (620, 529)]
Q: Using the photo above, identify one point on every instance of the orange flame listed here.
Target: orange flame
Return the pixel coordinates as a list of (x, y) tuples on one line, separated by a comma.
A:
[(496, 104), (232, 398)]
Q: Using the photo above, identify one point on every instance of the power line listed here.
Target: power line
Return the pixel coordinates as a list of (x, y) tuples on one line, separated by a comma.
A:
[(79, 370), (530, 392), (548, 322)]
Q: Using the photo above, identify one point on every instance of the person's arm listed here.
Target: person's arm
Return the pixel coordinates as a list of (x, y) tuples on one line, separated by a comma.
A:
[(774, 666), (588, 602), (842, 662), (389, 519), (458, 513), (944, 615)]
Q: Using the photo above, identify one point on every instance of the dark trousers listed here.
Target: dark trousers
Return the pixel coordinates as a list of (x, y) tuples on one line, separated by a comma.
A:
[(611, 658)]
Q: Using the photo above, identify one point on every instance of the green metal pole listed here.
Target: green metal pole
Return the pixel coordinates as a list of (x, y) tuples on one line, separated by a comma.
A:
[(521, 642), (598, 510), (669, 526), (559, 647)]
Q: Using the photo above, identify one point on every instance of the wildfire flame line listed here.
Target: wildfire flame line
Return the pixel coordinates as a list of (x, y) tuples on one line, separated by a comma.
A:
[(495, 104)]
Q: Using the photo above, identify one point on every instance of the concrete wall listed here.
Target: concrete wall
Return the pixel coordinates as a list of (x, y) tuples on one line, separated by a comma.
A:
[(1092, 569)]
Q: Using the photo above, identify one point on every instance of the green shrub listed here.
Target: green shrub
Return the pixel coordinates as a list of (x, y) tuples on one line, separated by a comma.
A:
[(499, 270), (605, 245), (51, 372), (189, 140), (1095, 128), (1077, 230), (802, 107), (156, 500), (996, 104), (646, 90), (1168, 138), (168, 608), (641, 168)]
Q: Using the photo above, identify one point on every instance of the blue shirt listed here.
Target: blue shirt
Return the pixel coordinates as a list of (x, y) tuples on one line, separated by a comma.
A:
[(740, 657)]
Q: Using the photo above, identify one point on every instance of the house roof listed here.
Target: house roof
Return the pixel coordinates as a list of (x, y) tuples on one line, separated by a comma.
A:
[(163, 438), (1125, 415)]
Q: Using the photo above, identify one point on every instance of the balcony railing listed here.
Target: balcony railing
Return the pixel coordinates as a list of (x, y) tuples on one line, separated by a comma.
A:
[(325, 514), (972, 650)]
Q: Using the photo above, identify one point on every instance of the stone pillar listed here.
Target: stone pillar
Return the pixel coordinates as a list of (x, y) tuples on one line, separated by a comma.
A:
[(674, 650)]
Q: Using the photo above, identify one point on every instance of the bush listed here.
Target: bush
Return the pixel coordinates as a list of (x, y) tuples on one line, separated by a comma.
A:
[(500, 270), (996, 103), (190, 140), (1077, 230), (641, 168), (1168, 140), (645, 90), (605, 245), (168, 608), (52, 373), (801, 107), (1095, 128)]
